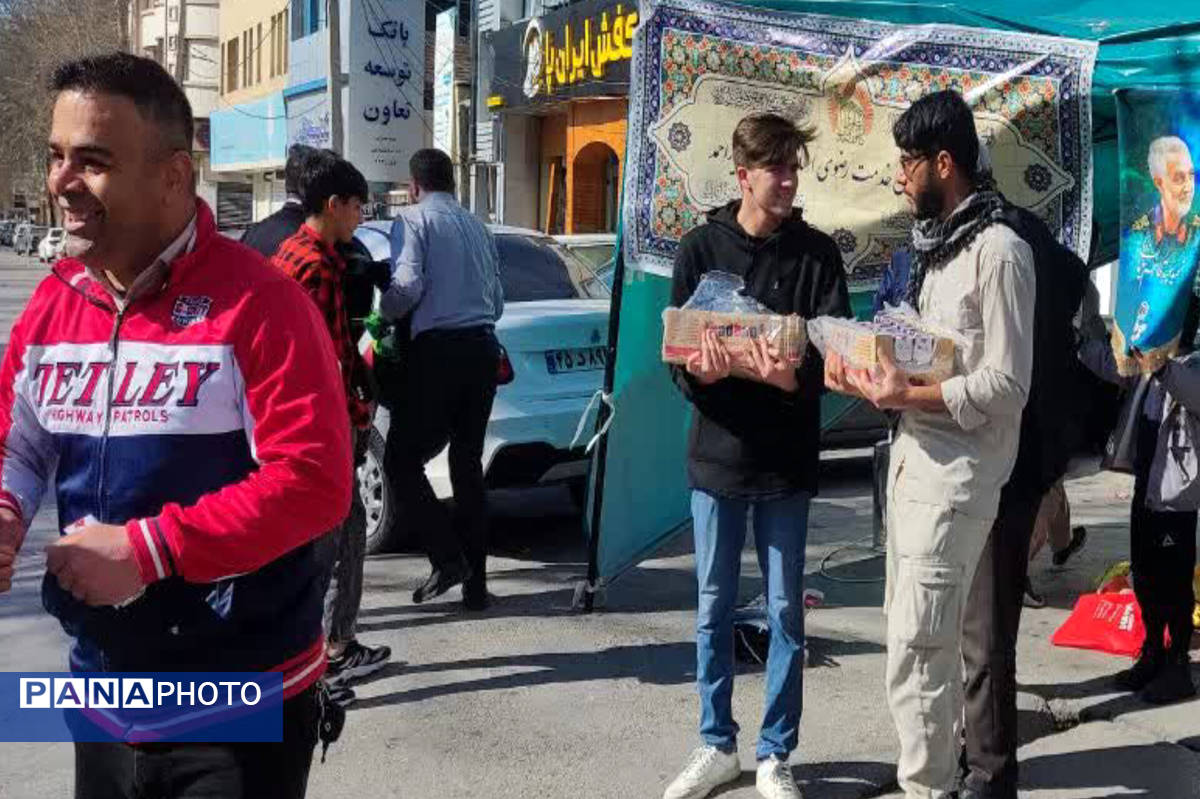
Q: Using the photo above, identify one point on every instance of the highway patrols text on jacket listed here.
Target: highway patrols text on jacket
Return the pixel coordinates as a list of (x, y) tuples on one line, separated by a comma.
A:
[(205, 413)]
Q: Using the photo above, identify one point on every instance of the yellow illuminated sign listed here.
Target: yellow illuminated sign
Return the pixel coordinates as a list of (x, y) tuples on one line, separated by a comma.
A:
[(586, 57)]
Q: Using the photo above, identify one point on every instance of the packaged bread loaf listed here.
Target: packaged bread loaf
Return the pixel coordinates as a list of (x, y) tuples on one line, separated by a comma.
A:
[(923, 352), (720, 303), (684, 327)]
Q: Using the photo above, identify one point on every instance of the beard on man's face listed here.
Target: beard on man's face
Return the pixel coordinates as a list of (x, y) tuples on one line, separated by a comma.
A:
[(927, 202)]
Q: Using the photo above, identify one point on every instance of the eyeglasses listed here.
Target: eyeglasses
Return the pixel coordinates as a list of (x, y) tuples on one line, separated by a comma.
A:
[(908, 162)]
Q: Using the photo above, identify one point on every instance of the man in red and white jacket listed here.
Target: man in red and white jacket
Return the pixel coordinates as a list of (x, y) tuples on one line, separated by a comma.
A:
[(187, 399)]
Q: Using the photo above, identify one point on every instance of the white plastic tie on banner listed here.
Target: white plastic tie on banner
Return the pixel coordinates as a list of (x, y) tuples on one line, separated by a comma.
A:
[(598, 397)]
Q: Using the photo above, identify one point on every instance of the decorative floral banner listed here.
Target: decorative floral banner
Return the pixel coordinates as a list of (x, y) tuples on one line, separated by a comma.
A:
[(699, 67), (1159, 133)]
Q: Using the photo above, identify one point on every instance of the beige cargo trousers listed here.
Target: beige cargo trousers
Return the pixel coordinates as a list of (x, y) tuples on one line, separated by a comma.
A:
[(932, 553)]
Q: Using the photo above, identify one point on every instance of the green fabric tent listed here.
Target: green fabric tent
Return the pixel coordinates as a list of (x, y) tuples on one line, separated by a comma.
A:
[(639, 496)]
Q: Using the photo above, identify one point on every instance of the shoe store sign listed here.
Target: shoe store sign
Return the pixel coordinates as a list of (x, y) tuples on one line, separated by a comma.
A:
[(580, 50)]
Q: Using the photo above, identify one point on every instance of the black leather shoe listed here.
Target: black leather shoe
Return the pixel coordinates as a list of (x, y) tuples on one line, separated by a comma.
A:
[(476, 598), (1078, 539), (440, 581), (1142, 673), (966, 792), (1173, 683)]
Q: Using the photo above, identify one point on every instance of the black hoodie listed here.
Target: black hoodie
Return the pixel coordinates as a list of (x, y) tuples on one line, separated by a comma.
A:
[(750, 440)]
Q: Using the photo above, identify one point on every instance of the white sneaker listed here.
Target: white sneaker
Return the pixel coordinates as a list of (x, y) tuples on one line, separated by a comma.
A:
[(774, 780), (707, 768)]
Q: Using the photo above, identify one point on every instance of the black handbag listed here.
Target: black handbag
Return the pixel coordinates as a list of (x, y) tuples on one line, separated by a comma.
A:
[(1120, 453)]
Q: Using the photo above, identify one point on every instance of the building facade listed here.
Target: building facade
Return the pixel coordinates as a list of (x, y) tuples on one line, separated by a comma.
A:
[(274, 92), (183, 36), (551, 113), (249, 126), (450, 63), (389, 55)]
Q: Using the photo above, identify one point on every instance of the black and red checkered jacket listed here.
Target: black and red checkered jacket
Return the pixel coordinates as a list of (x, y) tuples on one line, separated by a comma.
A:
[(317, 267)]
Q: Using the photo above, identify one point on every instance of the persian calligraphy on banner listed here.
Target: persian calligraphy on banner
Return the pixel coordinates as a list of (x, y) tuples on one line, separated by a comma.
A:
[(699, 67), (1159, 135)]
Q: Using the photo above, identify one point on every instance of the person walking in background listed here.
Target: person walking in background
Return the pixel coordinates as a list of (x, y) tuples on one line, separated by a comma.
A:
[(1053, 526), (753, 449), (266, 235), (333, 194), (446, 284)]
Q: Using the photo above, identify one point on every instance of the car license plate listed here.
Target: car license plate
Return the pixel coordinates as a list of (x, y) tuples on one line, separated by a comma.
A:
[(586, 359)]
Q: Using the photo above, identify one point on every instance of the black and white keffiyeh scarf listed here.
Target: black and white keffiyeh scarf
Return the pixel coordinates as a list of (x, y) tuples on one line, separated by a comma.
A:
[(936, 241)]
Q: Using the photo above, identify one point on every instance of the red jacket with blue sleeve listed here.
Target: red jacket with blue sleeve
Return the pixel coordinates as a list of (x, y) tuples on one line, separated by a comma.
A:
[(207, 416)]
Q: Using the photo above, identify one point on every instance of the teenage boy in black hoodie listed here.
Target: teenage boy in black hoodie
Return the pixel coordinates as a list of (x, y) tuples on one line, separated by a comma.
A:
[(753, 448)]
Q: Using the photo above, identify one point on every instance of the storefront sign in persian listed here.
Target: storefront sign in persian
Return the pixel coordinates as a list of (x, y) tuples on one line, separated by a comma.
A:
[(700, 67), (581, 49)]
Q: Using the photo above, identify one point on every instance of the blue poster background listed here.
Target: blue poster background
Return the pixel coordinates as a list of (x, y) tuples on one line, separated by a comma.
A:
[(1160, 225)]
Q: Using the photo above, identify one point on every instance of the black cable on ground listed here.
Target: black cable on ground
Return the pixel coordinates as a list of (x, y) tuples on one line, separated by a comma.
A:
[(875, 553)]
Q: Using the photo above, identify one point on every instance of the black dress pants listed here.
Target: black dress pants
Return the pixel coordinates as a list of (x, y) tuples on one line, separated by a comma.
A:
[(449, 385), (991, 623), (1162, 548)]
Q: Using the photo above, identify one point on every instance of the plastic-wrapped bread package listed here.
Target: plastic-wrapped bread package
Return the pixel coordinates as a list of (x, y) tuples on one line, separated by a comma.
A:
[(920, 350), (682, 329), (719, 304)]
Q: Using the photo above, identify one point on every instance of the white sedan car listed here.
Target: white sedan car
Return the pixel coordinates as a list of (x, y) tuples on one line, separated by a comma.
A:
[(596, 249), (554, 331), (50, 248)]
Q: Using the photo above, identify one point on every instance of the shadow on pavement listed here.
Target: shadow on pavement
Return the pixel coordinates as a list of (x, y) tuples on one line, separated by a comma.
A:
[(1125, 772), (1034, 725), (546, 604), (656, 664), (645, 589), (1116, 705), (824, 651), (835, 780)]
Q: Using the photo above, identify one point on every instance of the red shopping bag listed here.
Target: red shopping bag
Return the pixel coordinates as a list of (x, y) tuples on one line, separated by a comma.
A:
[(1105, 623)]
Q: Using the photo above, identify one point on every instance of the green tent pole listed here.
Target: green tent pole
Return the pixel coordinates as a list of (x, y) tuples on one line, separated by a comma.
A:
[(602, 416)]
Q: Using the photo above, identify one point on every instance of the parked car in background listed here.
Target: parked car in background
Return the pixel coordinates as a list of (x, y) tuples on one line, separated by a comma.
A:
[(27, 237), (597, 249), (51, 246), (553, 330), (7, 228)]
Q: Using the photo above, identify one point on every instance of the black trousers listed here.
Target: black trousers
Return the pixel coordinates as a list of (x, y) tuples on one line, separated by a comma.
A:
[(991, 622), (449, 385), (1162, 548), (196, 770)]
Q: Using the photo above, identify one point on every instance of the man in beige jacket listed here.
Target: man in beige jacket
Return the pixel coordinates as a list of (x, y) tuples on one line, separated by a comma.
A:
[(957, 440)]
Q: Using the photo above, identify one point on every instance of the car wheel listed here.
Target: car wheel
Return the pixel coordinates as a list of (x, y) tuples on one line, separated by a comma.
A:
[(375, 491), (387, 530)]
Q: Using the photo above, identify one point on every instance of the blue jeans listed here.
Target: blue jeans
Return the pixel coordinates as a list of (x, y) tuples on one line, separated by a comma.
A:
[(780, 535)]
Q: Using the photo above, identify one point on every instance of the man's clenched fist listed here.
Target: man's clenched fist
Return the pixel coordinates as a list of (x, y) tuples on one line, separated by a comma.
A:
[(97, 565)]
